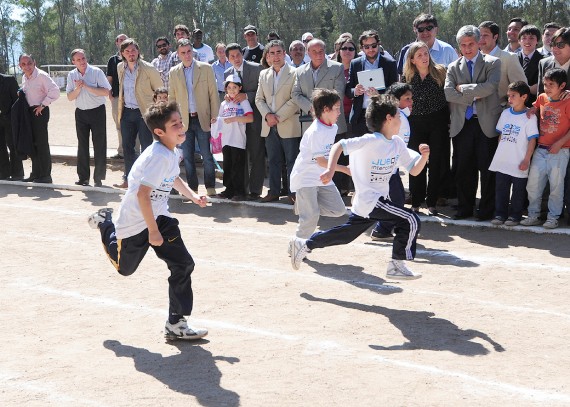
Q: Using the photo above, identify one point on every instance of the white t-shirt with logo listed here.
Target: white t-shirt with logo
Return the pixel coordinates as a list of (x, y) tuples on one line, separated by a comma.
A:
[(515, 131), (316, 142), (233, 134), (157, 167), (204, 54), (372, 160)]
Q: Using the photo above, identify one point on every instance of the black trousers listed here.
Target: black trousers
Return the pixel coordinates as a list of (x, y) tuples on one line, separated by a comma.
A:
[(91, 121), (473, 153), (406, 226), (126, 255), (10, 164), (234, 170), (41, 155)]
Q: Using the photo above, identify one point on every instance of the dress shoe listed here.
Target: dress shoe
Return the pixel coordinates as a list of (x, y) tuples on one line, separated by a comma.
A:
[(29, 179), (98, 184), (44, 180), (124, 185), (16, 178), (253, 196), (238, 198), (269, 198), (432, 211), (459, 216), (117, 157), (82, 182)]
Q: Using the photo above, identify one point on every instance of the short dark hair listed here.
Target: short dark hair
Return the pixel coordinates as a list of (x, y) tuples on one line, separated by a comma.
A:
[(557, 75), (231, 47), (128, 42), (323, 98), (185, 42), (399, 89), (520, 87), (380, 106), (158, 114), (272, 35), (493, 27), (276, 43), (159, 91), (368, 34), (551, 25), (180, 27), (424, 19), (530, 30), (162, 39), (562, 34), (518, 20)]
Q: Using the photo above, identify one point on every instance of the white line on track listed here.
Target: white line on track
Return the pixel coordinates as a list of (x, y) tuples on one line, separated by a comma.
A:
[(520, 391)]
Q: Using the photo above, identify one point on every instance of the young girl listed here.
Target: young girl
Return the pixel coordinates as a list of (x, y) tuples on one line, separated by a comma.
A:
[(231, 128)]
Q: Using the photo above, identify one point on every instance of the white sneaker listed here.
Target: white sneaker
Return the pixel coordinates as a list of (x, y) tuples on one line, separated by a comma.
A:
[(530, 221), (99, 217), (550, 224), (298, 251), (180, 330), (398, 270)]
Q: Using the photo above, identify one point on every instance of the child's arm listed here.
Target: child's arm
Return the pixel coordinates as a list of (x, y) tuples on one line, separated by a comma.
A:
[(421, 163), (240, 119), (182, 187), (322, 161), (143, 196), (334, 155), (555, 148), (525, 163)]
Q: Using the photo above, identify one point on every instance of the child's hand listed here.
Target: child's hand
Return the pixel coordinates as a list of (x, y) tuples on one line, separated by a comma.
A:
[(523, 166), (201, 201), (531, 112), (213, 120), (554, 149), (326, 176), (155, 238), (424, 150), (229, 120)]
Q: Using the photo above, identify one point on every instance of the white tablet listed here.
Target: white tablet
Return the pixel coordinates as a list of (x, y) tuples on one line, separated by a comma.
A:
[(373, 77)]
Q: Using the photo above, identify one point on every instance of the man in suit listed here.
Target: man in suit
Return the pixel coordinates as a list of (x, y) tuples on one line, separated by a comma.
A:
[(547, 33), (560, 47), (372, 59), (255, 144), (529, 58), (280, 126), (11, 167), (511, 69), (471, 90), (193, 87)]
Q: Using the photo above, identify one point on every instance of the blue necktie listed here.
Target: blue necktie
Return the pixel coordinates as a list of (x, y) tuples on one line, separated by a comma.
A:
[(469, 111)]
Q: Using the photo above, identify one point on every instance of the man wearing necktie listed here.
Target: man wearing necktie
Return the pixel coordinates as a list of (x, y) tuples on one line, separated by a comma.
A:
[(529, 58), (471, 90)]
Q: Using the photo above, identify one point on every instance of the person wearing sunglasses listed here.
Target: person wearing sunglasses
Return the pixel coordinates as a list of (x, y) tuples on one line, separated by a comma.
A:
[(163, 62), (426, 29), (560, 48), (372, 59)]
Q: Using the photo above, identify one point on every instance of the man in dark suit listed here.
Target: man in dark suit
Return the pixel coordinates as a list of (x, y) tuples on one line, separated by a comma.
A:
[(373, 58), (255, 144), (471, 90), (11, 167), (529, 57), (560, 48)]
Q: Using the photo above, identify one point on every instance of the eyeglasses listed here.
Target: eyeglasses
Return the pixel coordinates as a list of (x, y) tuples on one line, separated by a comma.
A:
[(560, 44), (306, 41), (349, 49), (422, 29), (368, 46), (163, 45)]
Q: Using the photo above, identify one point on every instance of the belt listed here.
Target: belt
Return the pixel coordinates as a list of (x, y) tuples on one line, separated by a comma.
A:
[(543, 147), (130, 108), (474, 117), (193, 114)]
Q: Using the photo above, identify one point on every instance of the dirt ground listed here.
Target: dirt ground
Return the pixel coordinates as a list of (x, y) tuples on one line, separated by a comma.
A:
[(487, 324)]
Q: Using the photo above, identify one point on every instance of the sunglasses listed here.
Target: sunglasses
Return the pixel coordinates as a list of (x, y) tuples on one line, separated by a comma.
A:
[(559, 44), (373, 46), (306, 41), (349, 49), (161, 45), (422, 29)]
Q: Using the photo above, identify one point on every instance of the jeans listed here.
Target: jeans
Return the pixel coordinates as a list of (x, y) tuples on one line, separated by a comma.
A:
[(132, 124), (279, 150), (194, 133), (547, 167), (503, 184)]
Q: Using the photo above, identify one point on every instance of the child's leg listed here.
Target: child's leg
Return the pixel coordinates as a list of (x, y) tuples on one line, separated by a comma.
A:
[(330, 202), (307, 207), (407, 227), (238, 170), (518, 197), (397, 196), (180, 263), (125, 254), (342, 234), (556, 167), (228, 165), (537, 177), (502, 193)]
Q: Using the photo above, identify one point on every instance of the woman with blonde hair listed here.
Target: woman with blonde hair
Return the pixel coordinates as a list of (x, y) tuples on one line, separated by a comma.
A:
[(429, 124)]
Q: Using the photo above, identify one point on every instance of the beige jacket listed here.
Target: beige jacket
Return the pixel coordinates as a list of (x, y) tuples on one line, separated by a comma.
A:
[(146, 82)]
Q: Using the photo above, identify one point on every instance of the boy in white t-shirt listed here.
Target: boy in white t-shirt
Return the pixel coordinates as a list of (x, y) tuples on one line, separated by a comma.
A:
[(313, 197), (144, 220), (518, 136), (230, 126), (372, 160)]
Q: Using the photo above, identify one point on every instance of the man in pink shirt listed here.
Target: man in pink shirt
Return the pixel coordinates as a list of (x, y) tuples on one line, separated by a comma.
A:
[(40, 92)]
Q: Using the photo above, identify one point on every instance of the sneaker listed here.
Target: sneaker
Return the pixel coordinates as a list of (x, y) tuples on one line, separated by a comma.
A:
[(530, 221), (550, 224), (378, 237), (102, 215), (181, 330), (298, 251), (511, 222), (398, 270), (497, 220)]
